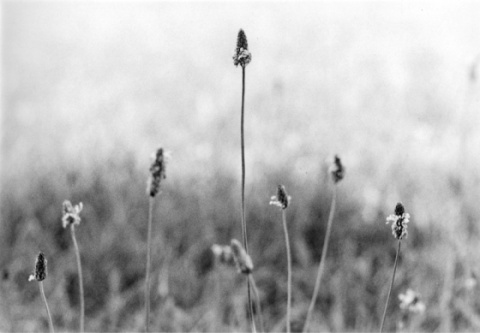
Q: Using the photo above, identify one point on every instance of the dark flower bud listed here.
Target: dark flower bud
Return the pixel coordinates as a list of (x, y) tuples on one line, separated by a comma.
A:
[(242, 56), (40, 268), (399, 209), (281, 199), (337, 169), (157, 172)]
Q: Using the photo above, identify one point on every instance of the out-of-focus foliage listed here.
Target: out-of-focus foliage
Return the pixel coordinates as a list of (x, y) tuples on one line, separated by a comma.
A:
[(90, 90)]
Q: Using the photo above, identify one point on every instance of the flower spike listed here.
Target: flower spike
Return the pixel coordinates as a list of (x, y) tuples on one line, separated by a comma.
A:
[(399, 221), (242, 56)]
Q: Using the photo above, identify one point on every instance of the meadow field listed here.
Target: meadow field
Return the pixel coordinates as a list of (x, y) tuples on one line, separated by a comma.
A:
[(91, 89)]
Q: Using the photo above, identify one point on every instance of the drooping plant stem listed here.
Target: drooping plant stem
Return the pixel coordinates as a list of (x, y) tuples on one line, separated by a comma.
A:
[(259, 306), (321, 266), (147, 274), (80, 280), (391, 286), (289, 263), (50, 322), (244, 222)]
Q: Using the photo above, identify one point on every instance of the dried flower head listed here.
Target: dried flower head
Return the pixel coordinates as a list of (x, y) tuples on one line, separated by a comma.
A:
[(40, 269), (157, 172), (399, 222), (411, 302), (242, 56), (71, 214), (281, 199), (223, 254), (337, 169), (242, 259)]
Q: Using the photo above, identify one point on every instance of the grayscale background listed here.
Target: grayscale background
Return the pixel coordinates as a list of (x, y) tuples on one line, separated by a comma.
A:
[(90, 89)]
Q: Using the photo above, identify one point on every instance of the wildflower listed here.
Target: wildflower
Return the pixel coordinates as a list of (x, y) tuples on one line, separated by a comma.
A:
[(337, 169), (157, 172), (71, 214), (399, 222), (223, 254), (71, 217), (281, 199), (40, 269), (242, 56), (411, 302), (241, 258)]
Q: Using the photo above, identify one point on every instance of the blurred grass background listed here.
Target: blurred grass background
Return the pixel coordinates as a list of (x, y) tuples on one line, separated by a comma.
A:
[(91, 89)]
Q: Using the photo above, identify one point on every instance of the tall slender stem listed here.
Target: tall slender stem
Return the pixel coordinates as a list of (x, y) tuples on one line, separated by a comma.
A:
[(147, 274), (391, 286), (289, 263), (80, 280), (242, 137), (244, 223), (321, 266), (50, 322), (259, 306)]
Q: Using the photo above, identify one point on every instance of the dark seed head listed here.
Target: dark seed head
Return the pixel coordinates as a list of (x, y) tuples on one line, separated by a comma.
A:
[(241, 55), (399, 209), (337, 169), (282, 196), (242, 41), (157, 172), (40, 267)]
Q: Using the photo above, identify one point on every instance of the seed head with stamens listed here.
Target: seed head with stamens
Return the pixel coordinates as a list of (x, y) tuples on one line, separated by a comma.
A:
[(281, 200), (157, 172), (40, 268), (71, 214), (242, 56), (399, 222), (242, 259), (337, 169)]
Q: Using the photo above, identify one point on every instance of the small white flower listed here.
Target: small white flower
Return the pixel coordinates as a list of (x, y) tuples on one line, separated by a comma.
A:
[(411, 302), (71, 214), (223, 254), (399, 225), (242, 57)]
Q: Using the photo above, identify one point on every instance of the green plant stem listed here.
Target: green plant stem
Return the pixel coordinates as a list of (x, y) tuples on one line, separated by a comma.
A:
[(80, 280), (391, 286), (259, 306), (321, 266), (244, 223), (147, 274), (289, 263), (50, 322)]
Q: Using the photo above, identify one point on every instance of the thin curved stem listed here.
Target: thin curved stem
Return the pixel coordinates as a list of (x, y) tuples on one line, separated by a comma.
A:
[(80, 280), (289, 263), (321, 266), (391, 286), (244, 222), (50, 322), (147, 274), (259, 306)]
